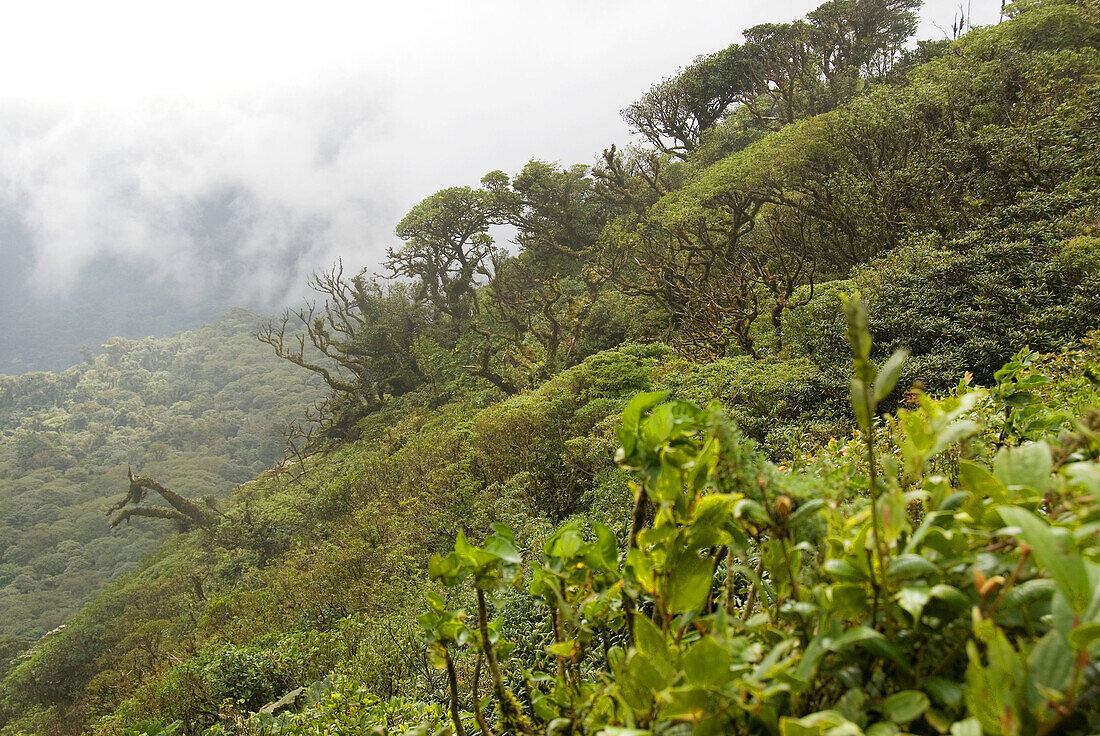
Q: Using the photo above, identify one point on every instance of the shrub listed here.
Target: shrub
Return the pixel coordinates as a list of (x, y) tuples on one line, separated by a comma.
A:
[(929, 593)]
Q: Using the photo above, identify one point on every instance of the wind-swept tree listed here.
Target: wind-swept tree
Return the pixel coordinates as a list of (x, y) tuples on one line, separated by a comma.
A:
[(676, 111), (542, 296), (359, 340), (447, 248), (783, 72)]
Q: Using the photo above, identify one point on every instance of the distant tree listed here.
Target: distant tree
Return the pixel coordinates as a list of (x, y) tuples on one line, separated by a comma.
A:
[(781, 73), (698, 272), (675, 112), (555, 210), (785, 258), (860, 38)]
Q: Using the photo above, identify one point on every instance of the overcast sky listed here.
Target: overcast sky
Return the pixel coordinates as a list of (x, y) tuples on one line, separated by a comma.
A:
[(204, 143)]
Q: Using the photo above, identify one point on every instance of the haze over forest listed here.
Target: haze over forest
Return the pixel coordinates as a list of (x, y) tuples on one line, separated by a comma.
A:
[(158, 168), (716, 381)]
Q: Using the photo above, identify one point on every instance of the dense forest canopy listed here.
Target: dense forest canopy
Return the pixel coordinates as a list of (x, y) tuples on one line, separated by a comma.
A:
[(784, 420), (205, 410)]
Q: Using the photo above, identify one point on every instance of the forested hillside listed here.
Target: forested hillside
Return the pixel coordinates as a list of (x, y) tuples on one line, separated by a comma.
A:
[(204, 411), (784, 421)]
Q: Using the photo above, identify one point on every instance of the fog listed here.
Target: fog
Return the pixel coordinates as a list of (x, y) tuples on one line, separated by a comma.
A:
[(159, 163)]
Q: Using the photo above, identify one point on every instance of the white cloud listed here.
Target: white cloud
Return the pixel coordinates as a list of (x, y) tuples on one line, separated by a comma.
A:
[(253, 142)]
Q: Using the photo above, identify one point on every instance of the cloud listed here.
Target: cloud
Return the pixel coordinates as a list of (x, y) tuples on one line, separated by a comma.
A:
[(191, 189), (240, 146)]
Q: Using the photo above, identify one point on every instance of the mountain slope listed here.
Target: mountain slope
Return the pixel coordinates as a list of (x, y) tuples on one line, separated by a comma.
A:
[(203, 410), (833, 557)]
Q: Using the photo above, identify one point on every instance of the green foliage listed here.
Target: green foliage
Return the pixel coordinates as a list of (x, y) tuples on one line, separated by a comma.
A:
[(997, 187), (968, 306), (875, 612), (916, 564), (344, 706), (202, 411), (783, 404)]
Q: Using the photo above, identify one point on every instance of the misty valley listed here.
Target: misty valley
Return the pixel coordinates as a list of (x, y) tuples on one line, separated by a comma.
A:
[(781, 415)]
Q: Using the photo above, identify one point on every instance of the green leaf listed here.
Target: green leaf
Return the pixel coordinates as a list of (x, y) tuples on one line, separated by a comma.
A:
[(649, 639), (1050, 663), (1084, 476), (969, 727), (945, 692), (852, 704), (894, 513), (566, 649), (627, 432), (850, 600), (910, 566), (904, 706), (710, 517), (855, 635), (992, 692), (1083, 636), (446, 568), (607, 544), (637, 681), (544, 708), (938, 719), (980, 482), (639, 405), (856, 393), (643, 670), (1054, 553), (818, 724), (887, 377), (884, 728), (689, 583), (1026, 466), (952, 433), (669, 482), (707, 663), (843, 569), (803, 513), (952, 596), (565, 542), (913, 599), (752, 510), (686, 704), (503, 530), (882, 647), (502, 549), (859, 336)]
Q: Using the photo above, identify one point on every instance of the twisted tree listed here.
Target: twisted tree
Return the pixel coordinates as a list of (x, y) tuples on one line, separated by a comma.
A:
[(188, 513), (358, 340)]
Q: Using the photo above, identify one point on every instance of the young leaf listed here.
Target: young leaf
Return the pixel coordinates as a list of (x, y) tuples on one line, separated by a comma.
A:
[(1050, 663), (859, 403), (1055, 554), (904, 706), (649, 639), (707, 663), (689, 583), (887, 377), (969, 727), (1026, 466), (910, 567), (1082, 637)]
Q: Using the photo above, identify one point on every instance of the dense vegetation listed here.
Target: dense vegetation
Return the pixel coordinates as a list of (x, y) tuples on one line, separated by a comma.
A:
[(203, 411), (650, 470)]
